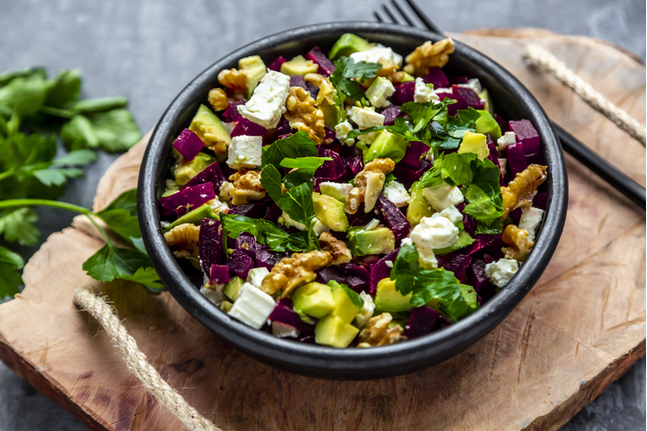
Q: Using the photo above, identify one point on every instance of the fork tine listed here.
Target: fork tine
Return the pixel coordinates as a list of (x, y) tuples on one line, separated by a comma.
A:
[(377, 17), (389, 14), (424, 18), (404, 15)]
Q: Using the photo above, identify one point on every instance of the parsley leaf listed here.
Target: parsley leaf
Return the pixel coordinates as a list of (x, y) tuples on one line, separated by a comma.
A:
[(112, 131), (121, 215), (347, 69), (306, 164), (18, 225), (64, 88), (111, 262), (271, 182), (265, 232), (10, 280), (294, 146)]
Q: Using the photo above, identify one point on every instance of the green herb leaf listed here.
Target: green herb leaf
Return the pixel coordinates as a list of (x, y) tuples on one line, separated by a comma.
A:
[(347, 69), (297, 203), (112, 131), (23, 95), (265, 232), (111, 262), (121, 215), (295, 146), (64, 88), (57, 177), (76, 158), (18, 225), (271, 182), (99, 105), (306, 164), (10, 280), (357, 300)]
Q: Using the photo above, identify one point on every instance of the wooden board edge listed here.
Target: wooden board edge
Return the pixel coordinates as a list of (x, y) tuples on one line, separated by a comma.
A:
[(51, 390), (587, 392)]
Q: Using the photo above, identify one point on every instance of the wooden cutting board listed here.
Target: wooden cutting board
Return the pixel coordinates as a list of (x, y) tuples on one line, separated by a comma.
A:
[(579, 329)]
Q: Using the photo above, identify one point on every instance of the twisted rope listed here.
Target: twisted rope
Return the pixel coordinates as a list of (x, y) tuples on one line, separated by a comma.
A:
[(539, 57), (137, 364)]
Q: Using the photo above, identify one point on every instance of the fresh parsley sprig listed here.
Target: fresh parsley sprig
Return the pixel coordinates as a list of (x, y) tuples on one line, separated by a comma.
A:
[(349, 73)]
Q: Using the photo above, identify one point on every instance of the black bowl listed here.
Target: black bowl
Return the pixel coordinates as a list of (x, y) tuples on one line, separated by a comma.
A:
[(512, 101)]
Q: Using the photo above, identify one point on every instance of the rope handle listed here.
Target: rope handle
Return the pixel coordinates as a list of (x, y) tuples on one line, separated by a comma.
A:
[(541, 58), (137, 363)]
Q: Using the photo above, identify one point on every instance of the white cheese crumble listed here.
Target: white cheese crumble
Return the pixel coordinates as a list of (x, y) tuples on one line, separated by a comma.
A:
[(434, 232), (365, 118), (366, 312), (508, 138), (377, 53), (341, 131), (427, 258), (255, 276), (422, 93), (396, 193), (253, 306), (245, 152), (501, 271), (442, 196), (452, 214), (267, 104), (530, 220)]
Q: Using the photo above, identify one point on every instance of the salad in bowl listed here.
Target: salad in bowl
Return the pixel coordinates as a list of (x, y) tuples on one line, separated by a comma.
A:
[(353, 198)]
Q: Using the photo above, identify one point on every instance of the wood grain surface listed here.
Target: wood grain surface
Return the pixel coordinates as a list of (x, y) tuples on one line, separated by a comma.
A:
[(580, 328)]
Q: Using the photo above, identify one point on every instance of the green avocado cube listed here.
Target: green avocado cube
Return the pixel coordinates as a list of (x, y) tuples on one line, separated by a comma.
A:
[(487, 124), (347, 44), (387, 298), (474, 143), (469, 294), (489, 106), (418, 205), (330, 212), (333, 331), (209, 128), (185, 170), (386, 145), (299, 66), (226, 306), (254, 69), (195, 217), (347, 303), (363, 242), (232, 289), (314, 299)]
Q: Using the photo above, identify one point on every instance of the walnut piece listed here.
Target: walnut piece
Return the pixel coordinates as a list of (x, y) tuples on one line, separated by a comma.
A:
[(233, 79), (314, 79), (523, 188), (218, 99), (378, 333), (337, 249), (186, 237), (390, 70), (293, 271), (368, 185), (246, 187), (518, 241), (303, 114), (429, 55)]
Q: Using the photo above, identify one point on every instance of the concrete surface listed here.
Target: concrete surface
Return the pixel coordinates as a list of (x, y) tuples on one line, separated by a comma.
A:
[(147, 50)]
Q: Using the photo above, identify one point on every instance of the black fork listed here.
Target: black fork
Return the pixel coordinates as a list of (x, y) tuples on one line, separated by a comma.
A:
[(409, 13)]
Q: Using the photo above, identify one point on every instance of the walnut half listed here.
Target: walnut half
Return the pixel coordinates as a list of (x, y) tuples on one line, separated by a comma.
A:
[(185, 236), (368, 185), (429, 55), (293, 271), (518, 241), (246, 187), (378, 333), (337, 249), (523, 188), (303, 114)]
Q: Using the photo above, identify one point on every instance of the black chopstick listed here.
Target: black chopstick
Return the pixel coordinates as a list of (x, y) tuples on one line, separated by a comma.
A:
[(605, 170)]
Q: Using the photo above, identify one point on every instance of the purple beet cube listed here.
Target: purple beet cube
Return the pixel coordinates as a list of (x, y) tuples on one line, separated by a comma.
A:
[(219, 274), (516, 159), (298, 81), (188, 144), (326, 67), (437, 77), (421, 322), (240, 263), (527, 135), (471, 98), (276, 64)]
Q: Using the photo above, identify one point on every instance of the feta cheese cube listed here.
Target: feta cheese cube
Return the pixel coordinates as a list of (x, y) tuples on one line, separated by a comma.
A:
[(255, 276), (422, 93), (434, 232), (396, 193), (341, 131), (367, 310), (530, 220), (378, 91), (245, 152), (502, 166), (446, 90), (377, 53), (442, 196), (427, 258), (267, 104), (501, 271), (253, 306), (282, 330), (365, 118), (452, 214), (508, 138)]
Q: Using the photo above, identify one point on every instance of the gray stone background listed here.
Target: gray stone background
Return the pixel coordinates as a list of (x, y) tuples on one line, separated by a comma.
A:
[(147, 50)]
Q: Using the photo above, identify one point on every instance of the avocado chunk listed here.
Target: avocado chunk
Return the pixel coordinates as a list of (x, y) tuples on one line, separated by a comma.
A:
[(195, 216), (299, 66), (226, 306), (362, 241), (329, 103), (489, 106), (387, 298), (232, 289), (347, 44), (487, 124), (338, 191), (209, 128), (418, 206), (406, 77), (464, 239), (330, 212), (347, 302), (474, 143), (333, 331), (254, 68), (314, 299), (386, 145), (185, 170)]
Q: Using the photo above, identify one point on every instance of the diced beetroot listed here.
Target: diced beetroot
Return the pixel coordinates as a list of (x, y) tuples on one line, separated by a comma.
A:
[(456, 263), (408, 175), (516, 159), (284, 312), (326, 67), (354, 159), (265, 258), (482, 241), (247, 243), (210, 250), (502, 123), (527, 135), (247, 128), (314, 91), (437, 77), (324, 275), (455, 107), (488, 259), (459, 79), (332, 169), (390, 113), (273, 213), (283, 128), (404, 93), (240, 263), (414, 153), (298, 81), (476, 273), (211, 174), (276, 64), (330, 136), (188, 144), (515, 215), (469, 224), (471, 98), (421, 321), (537, 159), (382, 269), (357, 277), (185, 200), (253, 210), (539, 201), (219, 274), (231, 113), (397, 222)]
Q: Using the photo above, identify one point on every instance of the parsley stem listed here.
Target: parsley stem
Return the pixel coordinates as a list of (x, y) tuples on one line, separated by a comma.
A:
[(7, 174)]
